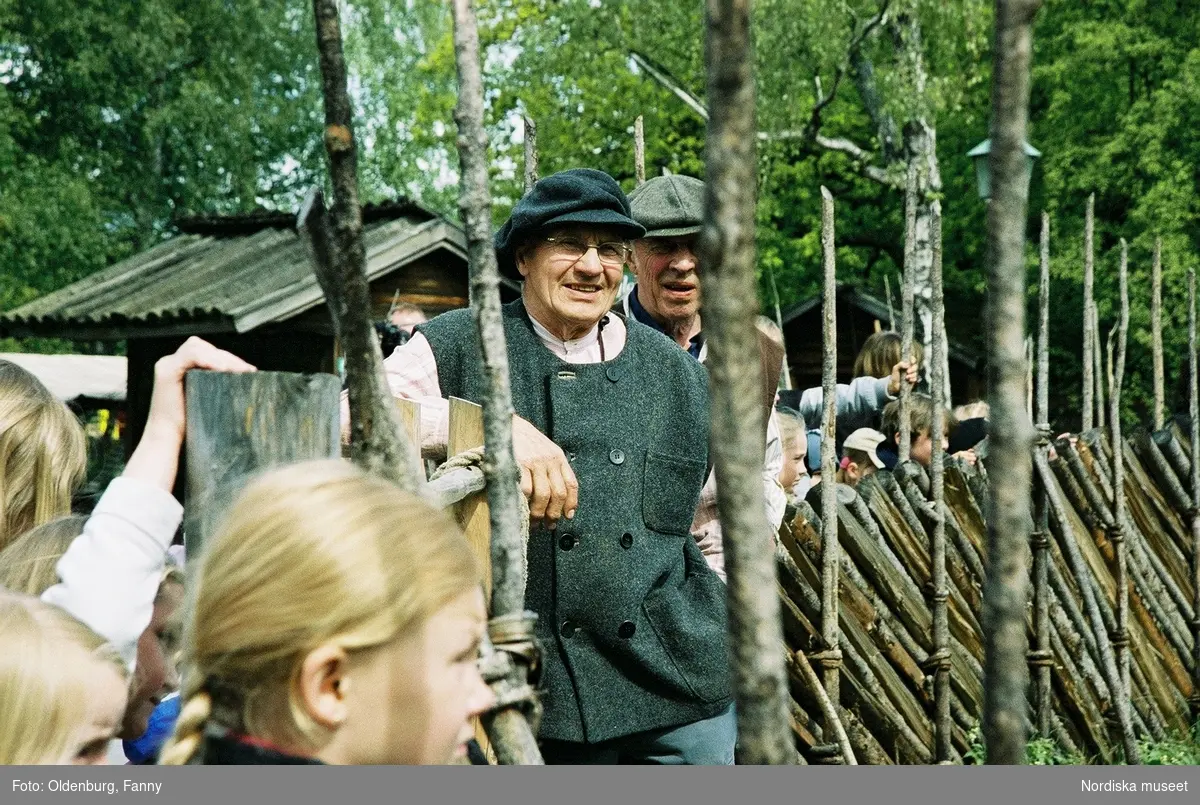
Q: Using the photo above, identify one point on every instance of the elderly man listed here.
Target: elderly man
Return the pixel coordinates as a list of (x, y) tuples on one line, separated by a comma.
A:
[(611, 434), (667, 298)]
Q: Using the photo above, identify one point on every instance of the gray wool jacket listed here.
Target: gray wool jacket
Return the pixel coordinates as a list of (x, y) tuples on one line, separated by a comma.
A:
[(631, 618)]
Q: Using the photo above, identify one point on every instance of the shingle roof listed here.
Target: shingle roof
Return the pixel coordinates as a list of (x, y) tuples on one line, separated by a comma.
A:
[(233, 272)]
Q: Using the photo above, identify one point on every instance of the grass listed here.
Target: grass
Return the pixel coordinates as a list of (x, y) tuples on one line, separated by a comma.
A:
[(1175, 750)]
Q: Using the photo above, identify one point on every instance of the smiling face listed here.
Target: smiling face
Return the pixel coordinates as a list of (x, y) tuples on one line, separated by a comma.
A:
[(668, 277), (568, 294)]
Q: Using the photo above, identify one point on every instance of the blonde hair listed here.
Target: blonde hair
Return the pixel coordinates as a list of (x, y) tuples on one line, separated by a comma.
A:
[(881, 352), (791, 426), (46, 661), (29, 564), (920, 420), (311, 553), (43, 454)]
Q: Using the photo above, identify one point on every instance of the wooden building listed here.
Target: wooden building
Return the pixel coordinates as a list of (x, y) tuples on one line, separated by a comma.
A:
[(859, 315), (245, 283)]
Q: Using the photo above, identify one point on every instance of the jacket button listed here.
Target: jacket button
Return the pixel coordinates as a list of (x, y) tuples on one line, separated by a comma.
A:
[(626, 630), (614, 374), (568, 629), (567, 542), (616, 457), (627, 541)]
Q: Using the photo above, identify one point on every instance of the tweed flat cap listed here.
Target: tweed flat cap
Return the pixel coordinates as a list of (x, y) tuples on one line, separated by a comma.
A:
[(669, 206), (579, 195)]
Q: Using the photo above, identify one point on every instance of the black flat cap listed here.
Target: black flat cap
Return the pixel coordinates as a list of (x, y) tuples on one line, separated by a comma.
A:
[(576, 196)]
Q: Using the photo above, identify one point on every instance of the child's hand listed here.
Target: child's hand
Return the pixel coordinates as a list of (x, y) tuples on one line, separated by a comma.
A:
[(910, 372), (967, 456)]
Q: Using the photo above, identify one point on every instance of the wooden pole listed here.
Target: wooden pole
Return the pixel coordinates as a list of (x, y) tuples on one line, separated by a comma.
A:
[(887, 285), (338, 253), (727, 258), (1156, 334), (830, 659), (1120, 636), (1089, 321), (906, 308), (1194, 416), (531, 153), (639, 151), (1041, 659), (1005, 726), (241, 424), (1101, 413), (513, 739), (939, 661)]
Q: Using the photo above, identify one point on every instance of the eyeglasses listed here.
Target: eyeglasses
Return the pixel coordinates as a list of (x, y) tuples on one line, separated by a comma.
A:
[(611, 253)]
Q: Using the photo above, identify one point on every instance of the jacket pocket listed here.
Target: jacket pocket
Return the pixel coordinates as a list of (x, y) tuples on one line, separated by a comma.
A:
[(670, 491), (690, 624)]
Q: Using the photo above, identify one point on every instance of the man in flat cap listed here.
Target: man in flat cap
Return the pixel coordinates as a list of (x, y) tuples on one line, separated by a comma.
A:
[(611, 434), (667, 297)]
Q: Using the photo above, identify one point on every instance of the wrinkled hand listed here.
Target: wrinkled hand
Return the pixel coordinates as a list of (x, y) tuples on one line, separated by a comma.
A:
[(167, 415), (910, 372), (547, 479)]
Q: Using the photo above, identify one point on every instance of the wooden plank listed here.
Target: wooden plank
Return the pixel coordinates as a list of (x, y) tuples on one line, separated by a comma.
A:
[(410, 418), (472, 513), (241, 424)]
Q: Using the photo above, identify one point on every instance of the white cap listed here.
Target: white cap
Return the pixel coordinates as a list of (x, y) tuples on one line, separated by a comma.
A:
[(866, 440)]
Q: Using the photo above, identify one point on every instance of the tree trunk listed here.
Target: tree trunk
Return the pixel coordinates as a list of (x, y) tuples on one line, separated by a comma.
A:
[(907, 302), (639, 151), (377, 439), (1005, 726), (1120, 638), (531, 154), (727, 257), (510, 733)]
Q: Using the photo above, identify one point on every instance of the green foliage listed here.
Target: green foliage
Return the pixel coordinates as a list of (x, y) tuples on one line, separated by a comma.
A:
[(1175, 750), (114, 117)]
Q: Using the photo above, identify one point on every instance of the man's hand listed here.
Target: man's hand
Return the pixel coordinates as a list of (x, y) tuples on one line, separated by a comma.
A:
[(903, 368), (547, 479), (156, 458)]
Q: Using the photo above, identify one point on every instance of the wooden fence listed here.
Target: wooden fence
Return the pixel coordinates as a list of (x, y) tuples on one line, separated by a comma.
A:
[(885, 616)]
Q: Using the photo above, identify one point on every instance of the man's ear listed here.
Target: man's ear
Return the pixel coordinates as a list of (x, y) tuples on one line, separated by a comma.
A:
[(521, 258), (323, 684)]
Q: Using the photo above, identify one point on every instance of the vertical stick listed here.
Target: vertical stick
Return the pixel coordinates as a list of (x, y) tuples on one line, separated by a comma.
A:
[(785, 375), (1098, 366), (1156, 335), (639, 151), (906, 305), (1041, 659), (531, 153), (831, 658), (1029, 377), (727, 257), (1005, 592), (887, 286), (338, 253), (1089, 320), (940, 660), (1120, 637), (1194, 416), (512, 737)]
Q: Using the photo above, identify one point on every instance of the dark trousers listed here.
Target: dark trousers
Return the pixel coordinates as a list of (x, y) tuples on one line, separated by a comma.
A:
[(702, 743)]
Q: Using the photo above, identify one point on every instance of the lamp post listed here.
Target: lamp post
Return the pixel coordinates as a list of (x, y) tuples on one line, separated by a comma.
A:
[(983, 172)]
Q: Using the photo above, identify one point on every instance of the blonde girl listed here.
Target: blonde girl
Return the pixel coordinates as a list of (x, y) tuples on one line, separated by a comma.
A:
[(43, 454), (28, 564), (62, 688), (333, 619)]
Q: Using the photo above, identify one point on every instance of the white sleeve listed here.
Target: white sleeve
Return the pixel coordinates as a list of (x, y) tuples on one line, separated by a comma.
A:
[(110, 574)]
